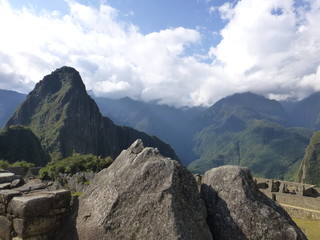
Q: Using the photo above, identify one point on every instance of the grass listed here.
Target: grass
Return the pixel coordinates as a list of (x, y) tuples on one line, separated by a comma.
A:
[(76, 194), (311, 228)]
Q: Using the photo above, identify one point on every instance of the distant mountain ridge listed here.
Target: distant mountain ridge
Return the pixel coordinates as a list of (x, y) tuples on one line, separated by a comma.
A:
[(170, 124), (306, 113), (223, 133), (249, 130), (9, 101), (244, 129), (66, 119), (255, 106)]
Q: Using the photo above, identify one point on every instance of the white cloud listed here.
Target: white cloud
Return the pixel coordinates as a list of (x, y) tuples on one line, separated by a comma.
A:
[(113, 57), (226, 10), (311, 82), (267, 47)]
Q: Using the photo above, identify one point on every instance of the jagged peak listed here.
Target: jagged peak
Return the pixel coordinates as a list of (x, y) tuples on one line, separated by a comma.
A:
[(61, 78), (137, 146)]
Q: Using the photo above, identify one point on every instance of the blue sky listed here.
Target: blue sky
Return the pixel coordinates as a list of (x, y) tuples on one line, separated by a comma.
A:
[(180, 52), (154, 15)]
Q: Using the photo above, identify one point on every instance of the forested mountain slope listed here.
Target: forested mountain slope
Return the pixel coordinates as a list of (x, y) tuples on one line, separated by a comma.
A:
[(66, 120)]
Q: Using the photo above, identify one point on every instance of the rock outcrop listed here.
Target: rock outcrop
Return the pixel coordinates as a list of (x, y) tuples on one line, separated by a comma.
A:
[(142, 195), (238, 210), (66, 119), (309, 171), (37, 215)]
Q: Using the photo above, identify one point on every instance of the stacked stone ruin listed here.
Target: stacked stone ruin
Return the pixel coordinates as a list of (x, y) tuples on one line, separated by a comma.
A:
[(298, 199), (36, 215)]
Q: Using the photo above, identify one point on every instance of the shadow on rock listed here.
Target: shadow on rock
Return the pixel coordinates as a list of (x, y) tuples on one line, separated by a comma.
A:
[(221, 223), (238, 210), (69, 230)]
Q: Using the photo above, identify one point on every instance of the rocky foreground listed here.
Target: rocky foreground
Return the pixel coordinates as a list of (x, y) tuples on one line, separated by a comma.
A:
[(144, 195)]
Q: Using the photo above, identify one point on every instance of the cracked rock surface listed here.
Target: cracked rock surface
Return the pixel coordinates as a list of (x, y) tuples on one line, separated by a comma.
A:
[(142, 195), (238, 210)]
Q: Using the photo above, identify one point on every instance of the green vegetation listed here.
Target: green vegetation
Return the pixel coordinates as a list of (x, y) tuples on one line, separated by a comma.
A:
[(309, 227), (73, 164), (267, 148), (247, 130), (45, 109), (18, 143), (24, 164), (76, 194), (5, 164), (66, 119), (310, 167)]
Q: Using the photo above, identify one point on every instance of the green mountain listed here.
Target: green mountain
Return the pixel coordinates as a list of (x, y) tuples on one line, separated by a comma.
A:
[(18, 143), (9, 101), (243, 129), (170, 124), (66, 119), (246, 129), (246, 106), (309, 171)]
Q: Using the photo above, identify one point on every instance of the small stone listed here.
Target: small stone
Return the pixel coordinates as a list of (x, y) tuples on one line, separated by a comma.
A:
[(17, 183)]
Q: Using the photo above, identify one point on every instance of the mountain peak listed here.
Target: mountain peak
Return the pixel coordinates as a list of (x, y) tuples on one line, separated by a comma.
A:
[(249, 100), (245, 106), (66, 119), (56, 98), (62, 78)]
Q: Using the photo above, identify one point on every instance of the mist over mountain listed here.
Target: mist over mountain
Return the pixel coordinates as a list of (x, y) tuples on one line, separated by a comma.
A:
[(66, 119)]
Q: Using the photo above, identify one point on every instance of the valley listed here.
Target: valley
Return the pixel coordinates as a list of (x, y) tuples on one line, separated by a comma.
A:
[(243, 129)]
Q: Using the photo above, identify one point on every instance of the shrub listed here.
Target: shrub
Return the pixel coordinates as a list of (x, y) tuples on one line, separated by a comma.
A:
[(4, 164), (73, 164), (76, 194), (24, 164)]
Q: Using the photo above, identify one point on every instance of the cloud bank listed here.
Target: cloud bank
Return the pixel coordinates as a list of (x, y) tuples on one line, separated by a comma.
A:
[(269, 47)]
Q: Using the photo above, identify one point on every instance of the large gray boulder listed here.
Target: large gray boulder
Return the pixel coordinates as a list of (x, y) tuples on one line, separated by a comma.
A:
[(142, 195), (238, 210)]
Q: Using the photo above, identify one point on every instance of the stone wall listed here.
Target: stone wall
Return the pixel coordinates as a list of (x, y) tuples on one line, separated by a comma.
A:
[(35, 215), (302, 213), (299, 200)]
